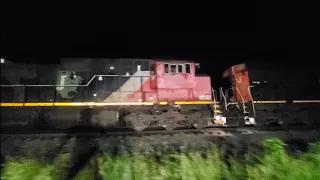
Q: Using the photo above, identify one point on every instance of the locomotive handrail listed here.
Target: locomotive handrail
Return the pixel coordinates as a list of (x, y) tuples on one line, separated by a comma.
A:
[(253, 108), (224, 98), (227, 95), (243, 105), (214, 99), (44, 85), (82, 94), (228, 103), (85, 85)]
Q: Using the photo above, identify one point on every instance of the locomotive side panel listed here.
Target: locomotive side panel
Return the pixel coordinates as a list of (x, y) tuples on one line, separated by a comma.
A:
[(144, 90), (120, 80), (202, 89), (14, 76), (286, 84), (285, 94), (70, 82), (74, 81)]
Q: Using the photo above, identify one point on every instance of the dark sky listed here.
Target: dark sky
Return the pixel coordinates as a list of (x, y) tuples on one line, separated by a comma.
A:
[(216, 36)]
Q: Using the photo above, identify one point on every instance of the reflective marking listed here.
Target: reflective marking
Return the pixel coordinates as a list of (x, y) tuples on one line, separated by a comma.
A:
[(267, 102), (219, 122), (163, 103), (46, 104), (217, 111), (294, 101), (306, 101), (11, 104), (73, 104), (193, 102)]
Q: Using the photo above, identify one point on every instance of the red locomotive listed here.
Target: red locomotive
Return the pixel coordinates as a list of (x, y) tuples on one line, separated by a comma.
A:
[(137, 93)]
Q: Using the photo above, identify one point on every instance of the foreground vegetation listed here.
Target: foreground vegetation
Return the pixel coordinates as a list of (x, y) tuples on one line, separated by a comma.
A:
[(274, 163)]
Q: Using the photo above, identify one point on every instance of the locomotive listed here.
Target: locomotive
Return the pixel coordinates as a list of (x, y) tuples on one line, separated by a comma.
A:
[(275, 93), (108, 92), (140, 94)]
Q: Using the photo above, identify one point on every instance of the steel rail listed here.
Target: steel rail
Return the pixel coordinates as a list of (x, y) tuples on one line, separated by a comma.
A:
[(221, 131)]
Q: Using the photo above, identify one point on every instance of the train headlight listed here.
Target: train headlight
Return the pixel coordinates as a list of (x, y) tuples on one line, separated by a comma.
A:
[(217, 117)]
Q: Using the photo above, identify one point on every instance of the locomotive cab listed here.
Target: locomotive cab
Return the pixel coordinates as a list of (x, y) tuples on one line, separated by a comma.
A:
[(177, 81)]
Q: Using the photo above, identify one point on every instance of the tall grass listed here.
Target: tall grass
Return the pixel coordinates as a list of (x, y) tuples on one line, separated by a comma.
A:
[(274, 164)]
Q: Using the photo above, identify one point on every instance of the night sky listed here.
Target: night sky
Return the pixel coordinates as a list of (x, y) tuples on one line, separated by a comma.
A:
[(217, 36)]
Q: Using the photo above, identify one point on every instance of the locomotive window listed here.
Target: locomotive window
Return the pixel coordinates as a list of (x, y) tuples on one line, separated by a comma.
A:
[(180, 68), (173, 68), (153, 69), (166, 68), (188, 68)]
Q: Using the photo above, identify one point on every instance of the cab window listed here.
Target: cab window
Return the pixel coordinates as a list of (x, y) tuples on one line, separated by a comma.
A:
[(166, 68), (173, 68), (188, 68), (180, 68), (153, 69), (177, 68)]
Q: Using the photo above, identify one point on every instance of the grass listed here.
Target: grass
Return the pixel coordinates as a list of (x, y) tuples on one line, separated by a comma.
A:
[(274, 164)]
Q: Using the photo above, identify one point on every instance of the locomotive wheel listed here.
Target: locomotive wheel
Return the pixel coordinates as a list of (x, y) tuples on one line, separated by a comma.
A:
[(138, 125), (169, 124), (200, 123), (170, 120), (137, 122)]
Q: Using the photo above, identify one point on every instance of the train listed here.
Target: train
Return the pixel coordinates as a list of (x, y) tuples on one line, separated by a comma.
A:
[(145, 93)]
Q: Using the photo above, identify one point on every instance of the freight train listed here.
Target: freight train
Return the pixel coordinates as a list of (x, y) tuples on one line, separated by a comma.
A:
[(140, 94)]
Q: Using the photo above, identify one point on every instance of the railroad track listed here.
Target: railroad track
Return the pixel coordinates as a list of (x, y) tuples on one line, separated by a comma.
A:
[(44, 144), (211, 131)]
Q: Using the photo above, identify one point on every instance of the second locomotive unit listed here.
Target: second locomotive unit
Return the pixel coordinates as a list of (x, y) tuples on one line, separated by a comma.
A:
[(277, 93)]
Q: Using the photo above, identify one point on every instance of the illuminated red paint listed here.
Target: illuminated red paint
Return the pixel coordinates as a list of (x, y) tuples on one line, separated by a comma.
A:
[(173, 87), (240, 83)]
